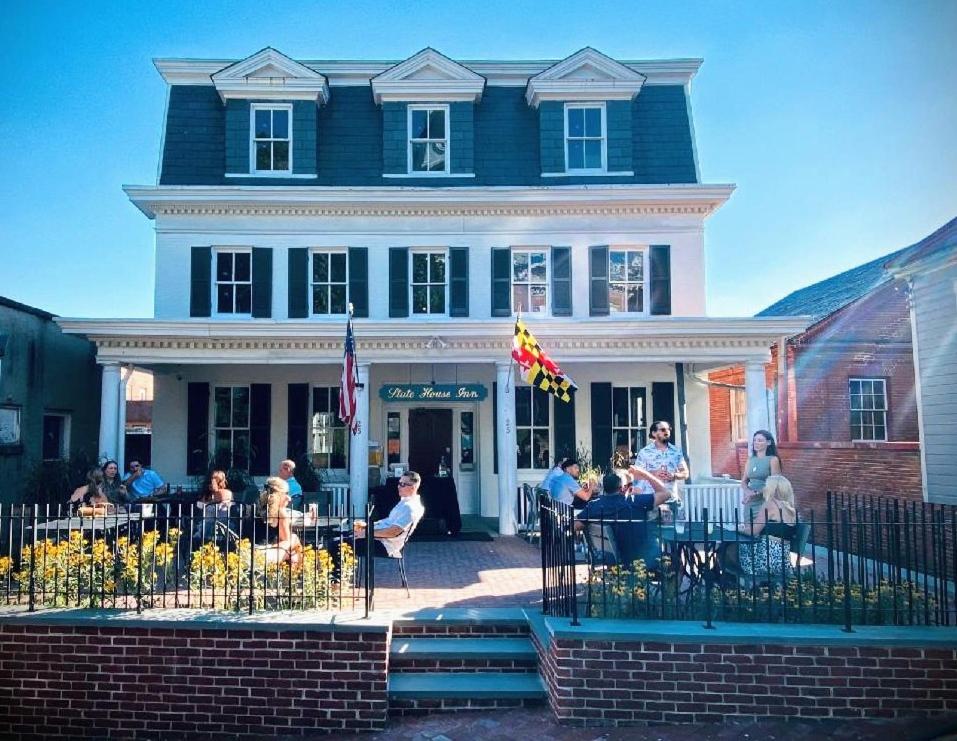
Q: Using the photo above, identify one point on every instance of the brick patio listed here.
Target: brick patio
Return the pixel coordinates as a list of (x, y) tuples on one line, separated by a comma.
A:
[(506, 572)]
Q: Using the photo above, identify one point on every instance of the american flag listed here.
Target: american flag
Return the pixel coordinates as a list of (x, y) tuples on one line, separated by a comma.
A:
[(347, 385)]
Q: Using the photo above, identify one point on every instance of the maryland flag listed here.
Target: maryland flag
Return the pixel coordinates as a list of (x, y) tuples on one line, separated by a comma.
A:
[(537, 368)]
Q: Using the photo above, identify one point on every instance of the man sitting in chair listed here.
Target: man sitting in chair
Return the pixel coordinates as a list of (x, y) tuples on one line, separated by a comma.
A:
[(627, 517), (389, 534)]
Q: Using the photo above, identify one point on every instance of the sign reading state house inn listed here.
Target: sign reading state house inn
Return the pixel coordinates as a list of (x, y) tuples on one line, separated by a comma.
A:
[(428, 392)]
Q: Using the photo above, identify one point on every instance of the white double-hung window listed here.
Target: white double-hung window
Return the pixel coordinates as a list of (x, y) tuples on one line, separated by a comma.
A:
[(231, 426), (626, 281), (585, 137), (428, 139), (234, 281), (868, 397), (429, 284), (271, 140), (530, 281), (330, 282)]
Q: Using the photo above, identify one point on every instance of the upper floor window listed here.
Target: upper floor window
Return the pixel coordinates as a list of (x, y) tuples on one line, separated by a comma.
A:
[(330, 283), (429, 282), (585, 137), (428, 139), (533, 427), (231, 426), (626, 281), (271, 139), (868, 398), (234, 282), (530, 281)]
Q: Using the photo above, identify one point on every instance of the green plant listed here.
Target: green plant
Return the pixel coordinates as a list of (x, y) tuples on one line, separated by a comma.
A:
[(52, 482)]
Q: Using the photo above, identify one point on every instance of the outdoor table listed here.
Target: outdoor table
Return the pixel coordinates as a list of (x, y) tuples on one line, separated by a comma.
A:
[(697, 552), (102, 523), (321, 532)]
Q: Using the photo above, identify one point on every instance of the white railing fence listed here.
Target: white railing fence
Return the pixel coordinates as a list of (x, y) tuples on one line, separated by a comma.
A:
[(722, 501)]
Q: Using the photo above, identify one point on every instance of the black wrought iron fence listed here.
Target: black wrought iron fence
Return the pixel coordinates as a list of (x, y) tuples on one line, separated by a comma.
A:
[(854, 565), (183, 554)]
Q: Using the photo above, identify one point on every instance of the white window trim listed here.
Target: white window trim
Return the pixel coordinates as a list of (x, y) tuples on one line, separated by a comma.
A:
[(427, 251), (603, 170), (65, 440), (551, 434), (737, 408), (640, 428), (311, 414), (18, 414), (212, 420), (886, 410), (448, 140), (253, 172), (215, 283), (548, 281), (645, 267), (328, 251)]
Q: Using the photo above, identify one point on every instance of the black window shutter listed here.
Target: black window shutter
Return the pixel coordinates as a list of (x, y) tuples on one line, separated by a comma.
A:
[(562, 281), (598, 285), (501, 283), (663, 403), (298, 283), (660, 279), (494, 427), (398, 281), (564, 428), (459, 281), (260, 418), (262, 282), (297, 420), (197, 428), (200, 284), (601, 442), (359, 280)]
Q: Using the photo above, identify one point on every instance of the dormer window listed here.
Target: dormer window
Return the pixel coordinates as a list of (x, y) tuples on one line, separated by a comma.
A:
[(271, 144), (585, 137), (429, 139)]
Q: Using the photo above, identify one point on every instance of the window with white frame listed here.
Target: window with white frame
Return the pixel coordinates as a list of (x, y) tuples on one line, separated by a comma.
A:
[(234, 281), (530, 281), (271, 145), (9, 425), (330, 282), (329, 438), (626, 281), (231, 426), (628, 418), (428, 139), (585, 137), (868, 397), (738, 408), (533, 427), (429, 282)]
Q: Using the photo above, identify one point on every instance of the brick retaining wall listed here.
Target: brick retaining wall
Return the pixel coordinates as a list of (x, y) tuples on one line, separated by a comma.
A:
[(147, 677)]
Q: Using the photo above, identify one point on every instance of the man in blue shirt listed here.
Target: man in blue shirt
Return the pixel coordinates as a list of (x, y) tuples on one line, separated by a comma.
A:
[(565, 487), (287, 470), (627, 516), (143, 482)]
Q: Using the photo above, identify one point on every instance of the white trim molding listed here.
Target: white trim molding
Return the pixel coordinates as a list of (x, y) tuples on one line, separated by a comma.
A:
[(543, 200), (586, 75), (428, 77), (270, 75)]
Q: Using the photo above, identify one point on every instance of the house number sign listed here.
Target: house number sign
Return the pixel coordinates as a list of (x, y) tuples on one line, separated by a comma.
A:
[(447, 392)]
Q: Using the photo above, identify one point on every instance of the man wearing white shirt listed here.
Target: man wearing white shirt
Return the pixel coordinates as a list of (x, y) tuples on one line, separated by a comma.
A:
[(661, 458), (390, 532)]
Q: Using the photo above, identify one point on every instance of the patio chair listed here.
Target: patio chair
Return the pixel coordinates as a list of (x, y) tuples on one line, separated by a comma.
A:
[(400, 560), (602, 549), (531, 530)]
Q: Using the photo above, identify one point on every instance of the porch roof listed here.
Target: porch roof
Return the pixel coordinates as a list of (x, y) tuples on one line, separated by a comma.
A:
[(648, 339)]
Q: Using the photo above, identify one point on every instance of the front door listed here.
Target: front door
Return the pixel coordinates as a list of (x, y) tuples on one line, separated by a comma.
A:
[(430, 440)]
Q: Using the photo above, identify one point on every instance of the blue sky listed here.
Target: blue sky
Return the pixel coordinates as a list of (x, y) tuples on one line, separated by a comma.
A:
[(835, 120)]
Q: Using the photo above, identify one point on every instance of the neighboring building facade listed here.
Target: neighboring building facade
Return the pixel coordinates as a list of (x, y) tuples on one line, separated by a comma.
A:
[(842, 392), (49, 395), (440, 198), (929, 269)]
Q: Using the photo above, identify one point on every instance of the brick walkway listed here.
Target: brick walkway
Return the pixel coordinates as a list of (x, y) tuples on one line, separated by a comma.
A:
[(506, 572)]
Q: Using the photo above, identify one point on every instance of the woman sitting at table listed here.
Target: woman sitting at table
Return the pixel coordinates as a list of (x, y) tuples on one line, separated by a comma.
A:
[(772, 529), (274, 510), (214, 504), (91, 493), (113, 483)]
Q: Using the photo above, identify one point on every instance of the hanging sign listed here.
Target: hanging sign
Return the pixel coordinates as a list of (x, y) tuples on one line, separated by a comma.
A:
[(447, 392)]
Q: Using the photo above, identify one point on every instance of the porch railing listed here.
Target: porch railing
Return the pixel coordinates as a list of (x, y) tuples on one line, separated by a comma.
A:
[(183, 554)]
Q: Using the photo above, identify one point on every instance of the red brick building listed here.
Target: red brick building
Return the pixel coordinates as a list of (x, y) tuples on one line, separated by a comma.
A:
[(842, 392)]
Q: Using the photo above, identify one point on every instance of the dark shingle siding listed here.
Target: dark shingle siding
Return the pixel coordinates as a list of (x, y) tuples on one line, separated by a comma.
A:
[(462, 133), (620, 137), (356, 140)]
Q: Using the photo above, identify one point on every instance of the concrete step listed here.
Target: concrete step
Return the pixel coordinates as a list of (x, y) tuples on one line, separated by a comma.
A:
[(462, 621), (475, 685), (454, 647)]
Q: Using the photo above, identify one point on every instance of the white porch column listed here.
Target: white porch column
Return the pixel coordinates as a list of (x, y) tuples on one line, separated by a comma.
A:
[(121, 423), (756, 391), (507, 461), (109, 409), (359, 446)]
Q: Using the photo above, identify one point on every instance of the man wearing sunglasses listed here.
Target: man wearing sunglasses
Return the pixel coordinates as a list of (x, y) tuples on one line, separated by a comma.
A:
[(390, 533), (662, 459)]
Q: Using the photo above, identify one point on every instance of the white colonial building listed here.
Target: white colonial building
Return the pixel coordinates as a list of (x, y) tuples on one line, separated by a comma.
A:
[(440, 198)]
